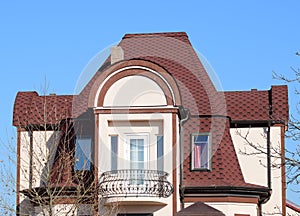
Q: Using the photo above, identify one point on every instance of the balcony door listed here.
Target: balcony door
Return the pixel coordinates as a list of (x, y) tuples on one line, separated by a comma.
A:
[(138, 149)]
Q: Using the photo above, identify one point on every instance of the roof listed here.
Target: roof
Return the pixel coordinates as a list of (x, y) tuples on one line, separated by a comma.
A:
[(174, 52), (177, 35), (293, 206), (33, 109), (257, 105), (199, 209)]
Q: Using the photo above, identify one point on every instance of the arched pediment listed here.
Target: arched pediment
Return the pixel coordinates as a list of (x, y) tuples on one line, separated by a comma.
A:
[(134, 83), (134, 91)]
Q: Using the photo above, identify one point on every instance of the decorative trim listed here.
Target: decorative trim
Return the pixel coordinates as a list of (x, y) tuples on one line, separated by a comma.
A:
[(234, 199), (135, 111), (110, 79), (123, 183), (283, 172), (96, 158), (18, 170), (132, 71), (164, 78)]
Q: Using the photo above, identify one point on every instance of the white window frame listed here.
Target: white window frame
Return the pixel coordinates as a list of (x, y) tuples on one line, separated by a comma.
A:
[(144, 136), (209, 152)]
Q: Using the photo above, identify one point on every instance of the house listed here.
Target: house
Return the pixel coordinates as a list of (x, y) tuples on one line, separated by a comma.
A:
[(150, 134)]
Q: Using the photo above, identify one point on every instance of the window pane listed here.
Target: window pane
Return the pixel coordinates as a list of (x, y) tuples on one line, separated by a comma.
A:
[(160, 153), (114, 152), (133, 165), (204, 156), (200, 149), (141, 156), (132, 144), (137, 152), (200, 139), (83, 153), (133, 156), (140, 143), (137, 160)]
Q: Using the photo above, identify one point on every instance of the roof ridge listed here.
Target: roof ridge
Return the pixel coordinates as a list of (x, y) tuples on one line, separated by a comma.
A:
[(36, 94), (155, 34), (243, 91)]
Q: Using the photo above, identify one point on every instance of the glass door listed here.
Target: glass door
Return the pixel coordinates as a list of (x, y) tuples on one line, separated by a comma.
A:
[(138, 157)]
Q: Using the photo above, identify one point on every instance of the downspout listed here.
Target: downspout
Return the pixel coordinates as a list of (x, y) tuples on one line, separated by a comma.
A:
[(184, 115), (268, 140), (30, 132), (263, 201), (269, 156)]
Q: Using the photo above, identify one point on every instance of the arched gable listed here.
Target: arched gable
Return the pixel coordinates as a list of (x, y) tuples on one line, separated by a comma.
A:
[(132, 71)]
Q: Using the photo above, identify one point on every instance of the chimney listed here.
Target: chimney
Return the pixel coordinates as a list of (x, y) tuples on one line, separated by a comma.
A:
[(116, 54)]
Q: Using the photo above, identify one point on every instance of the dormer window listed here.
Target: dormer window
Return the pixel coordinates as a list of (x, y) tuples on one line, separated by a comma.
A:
[(83, 150), (200, 151)]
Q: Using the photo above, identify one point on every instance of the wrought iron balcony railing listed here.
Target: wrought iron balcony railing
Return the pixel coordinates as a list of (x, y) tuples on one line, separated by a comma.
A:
[(132, 182)]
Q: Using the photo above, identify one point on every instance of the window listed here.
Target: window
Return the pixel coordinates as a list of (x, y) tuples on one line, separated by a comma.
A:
[(83, 153), (200, 151), (160, 153), (137, 153), (114, 152), (138, 156)]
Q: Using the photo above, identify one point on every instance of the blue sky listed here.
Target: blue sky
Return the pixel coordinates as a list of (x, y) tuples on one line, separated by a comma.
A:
[(244, 41)]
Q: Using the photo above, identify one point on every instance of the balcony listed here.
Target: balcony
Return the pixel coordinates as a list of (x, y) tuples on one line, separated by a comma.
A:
[(135, 183)]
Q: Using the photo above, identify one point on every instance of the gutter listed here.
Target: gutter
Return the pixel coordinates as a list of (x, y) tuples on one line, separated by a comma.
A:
[(184, 116), (269, 156), (263, 201), (263, 192), (30, 157), (266, 199)]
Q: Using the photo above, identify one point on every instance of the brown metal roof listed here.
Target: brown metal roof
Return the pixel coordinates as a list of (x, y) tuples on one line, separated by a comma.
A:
[(199, 209), (33, 109), (174, 52), (257, 105)]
